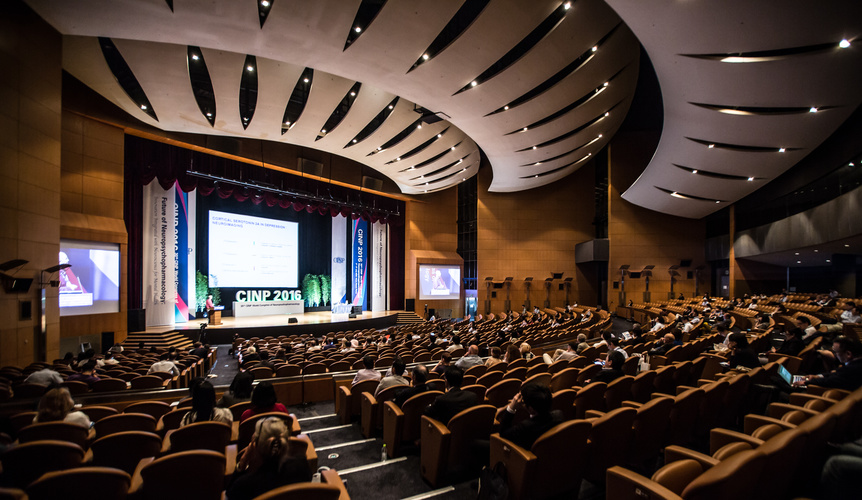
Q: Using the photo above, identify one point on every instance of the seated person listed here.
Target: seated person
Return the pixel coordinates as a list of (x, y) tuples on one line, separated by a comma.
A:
[(495, 357), (741, 353), (239, 390), (808, 331), (397, 377), (526, 351), (848, 376), (57, 405), (793, 343), (268, 462), (536, 400), (612, 369), (470, 359), (263, 400), (456, 343), (454, 400), (636, 337), (367, 373), (46, 377), (204, 407), (667, 343), (420, 377), (569, 353), (87, 376), (443, 364), (264, 361), (164, 365), (612, 344), (582, 344), (512, 353)]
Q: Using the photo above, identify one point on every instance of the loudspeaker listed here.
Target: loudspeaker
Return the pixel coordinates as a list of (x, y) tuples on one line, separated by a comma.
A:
[(685, 263), (351, 315), (689, 275), (136, 320), (356, 310), (432, 312), (26, 310), (635, 276), (493, 295), (410, 305), (107, 340), (292, 321)]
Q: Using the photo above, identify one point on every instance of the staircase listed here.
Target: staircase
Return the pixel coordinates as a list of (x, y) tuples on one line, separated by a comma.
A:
[(408, 318), (165, 340)]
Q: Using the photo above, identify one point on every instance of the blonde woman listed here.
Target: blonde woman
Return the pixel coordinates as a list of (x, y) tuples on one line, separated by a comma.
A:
[(57, 405), (525, 351), (271, 460)]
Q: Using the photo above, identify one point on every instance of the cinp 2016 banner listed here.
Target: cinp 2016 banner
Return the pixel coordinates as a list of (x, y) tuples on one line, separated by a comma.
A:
[(359, 270)]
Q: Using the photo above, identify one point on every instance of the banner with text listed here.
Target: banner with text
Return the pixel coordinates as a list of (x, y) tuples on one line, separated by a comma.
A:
[(379, 266), (339, 260), (159, 243), (181, 253), (359, 270)]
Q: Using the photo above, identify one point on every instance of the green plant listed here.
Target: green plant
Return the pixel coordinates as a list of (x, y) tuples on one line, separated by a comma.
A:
[(311, 290), (326, 289), (201, 287)]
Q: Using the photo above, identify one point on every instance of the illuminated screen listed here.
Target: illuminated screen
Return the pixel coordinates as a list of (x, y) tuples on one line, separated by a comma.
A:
[(439, 282), (92, 284), (246, 251)]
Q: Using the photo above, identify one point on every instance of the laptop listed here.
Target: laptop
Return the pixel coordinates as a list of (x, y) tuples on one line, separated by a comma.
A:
[(787, 377)]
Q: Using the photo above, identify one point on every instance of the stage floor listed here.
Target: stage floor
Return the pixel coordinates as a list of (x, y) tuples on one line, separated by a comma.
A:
[(320, 318)]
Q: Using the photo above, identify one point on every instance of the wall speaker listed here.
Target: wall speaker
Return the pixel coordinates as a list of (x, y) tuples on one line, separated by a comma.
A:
[(410, 305), (685, 263), (292, 321), (137, 320), (310, 167)]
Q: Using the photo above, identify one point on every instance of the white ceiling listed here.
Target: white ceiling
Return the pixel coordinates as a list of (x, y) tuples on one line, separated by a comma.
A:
[(299, 34)]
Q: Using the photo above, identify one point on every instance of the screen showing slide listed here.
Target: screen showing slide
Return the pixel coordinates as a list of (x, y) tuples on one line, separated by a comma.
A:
[(439, 282), (92, 284), (246, 251)]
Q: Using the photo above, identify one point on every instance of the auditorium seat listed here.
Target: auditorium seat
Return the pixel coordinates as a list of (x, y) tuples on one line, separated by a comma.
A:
[(23, 464), (179, 476), (536, 473), (590, 397), (618, 391), (650, 430), (83, 483), (305, 491), (643, 386), (610, 436), (123, 450), (448, 449), (261, 372), (371, 409), (125, 422), (339, 366), (558, 366), (60, 431), (490, 378), (246, 427), (502, 392), (402, 424), (476, 371), (314, 369), (148, 382), (517, 363), (564, 379), (154, 409), (76, 387), (170, 420), (664, 381), (587, 373), (349, 402), (20, 420), (288, 370), (536, 369), (477, 389), (519, 373), (28, 391), (213, 436), (502, 366), (543, 379)]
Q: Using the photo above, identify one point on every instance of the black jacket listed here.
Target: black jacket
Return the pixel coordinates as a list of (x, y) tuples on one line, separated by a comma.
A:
[(451, 403), (527, 432)]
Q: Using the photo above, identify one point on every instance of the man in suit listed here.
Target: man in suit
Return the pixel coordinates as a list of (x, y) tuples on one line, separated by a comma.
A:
[(536, 400), (420, 376), (454, 400), (848, 376)]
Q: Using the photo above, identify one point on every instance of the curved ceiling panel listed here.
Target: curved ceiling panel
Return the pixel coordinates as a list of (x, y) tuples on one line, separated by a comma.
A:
[(311, 34), (734, 77)]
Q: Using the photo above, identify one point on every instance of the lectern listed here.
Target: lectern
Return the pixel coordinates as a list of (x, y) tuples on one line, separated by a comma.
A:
[(215, 315)]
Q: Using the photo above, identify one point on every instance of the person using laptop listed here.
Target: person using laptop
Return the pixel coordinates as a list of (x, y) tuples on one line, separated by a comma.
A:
[(848, 376)]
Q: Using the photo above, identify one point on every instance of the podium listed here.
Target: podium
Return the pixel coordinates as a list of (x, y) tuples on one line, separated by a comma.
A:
[(215, 315)]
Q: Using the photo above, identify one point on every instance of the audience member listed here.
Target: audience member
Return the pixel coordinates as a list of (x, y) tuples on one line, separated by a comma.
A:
[(397, 377), (848, 376), (204, 407), (512, 353), (536, 400), (495, 357), (165, 365), (612, 369), (569, 353), (239, 390), (56, 406), (45, 376), (263, 400), (454, 400), (419, 379), (443, 364), (86, 374), (367, 373), (470, 359), (741, 353)]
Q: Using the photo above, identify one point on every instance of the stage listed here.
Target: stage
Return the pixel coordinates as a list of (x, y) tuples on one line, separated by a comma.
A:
[(315, 323)]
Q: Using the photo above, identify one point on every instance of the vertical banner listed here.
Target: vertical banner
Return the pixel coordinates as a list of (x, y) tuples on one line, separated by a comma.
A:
[(191, 258), (181, 253), (380, 258), (158, 242), (339, 260), (359, 270)]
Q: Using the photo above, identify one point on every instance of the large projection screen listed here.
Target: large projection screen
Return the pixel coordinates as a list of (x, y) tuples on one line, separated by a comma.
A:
[(439, 282), (92, 284), (247, 251)]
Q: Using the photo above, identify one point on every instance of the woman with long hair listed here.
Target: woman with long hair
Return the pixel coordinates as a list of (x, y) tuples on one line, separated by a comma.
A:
[(263, 400), (270, 461), (57, 405), (512, 353), (204, 407), (239, 390)]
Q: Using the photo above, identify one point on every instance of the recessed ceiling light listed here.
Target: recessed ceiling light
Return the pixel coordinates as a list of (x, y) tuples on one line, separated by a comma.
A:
[(537, 176), (464, 179), (815, 251), (595, 48), (600, 136), (524, 129), (453, 148), (797, 253), (379, 148), (537, 163), (357, 29), (354, 141), (799, 262), (474, 83), (352, 94), (305, 80), (419, 126), (750, 179), (781, 150), (567, 5), (711, 146), (846, 246), (718, 201), (391, 106), (439, 135), (851, 164), (505, 108), (209, 115), (827, 260), (399, 159), (812, 109), (265, 3), (287, 123), (534, 147), (424, 57), (844, 43), (323, 131), (143, 106), (195, 57), (605, 84), (694, 171), (250, 68), (608, 113)]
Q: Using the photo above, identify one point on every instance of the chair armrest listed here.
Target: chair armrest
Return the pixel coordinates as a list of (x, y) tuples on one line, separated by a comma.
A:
[(435, 438), (166, 443), (753, 422), (800, 398), (393, 428), (674, 453), (817, 390), (368, 404), (777, 410), (295, 428), (343, 396), (331, 477), (682, 388), (623, 483), (230, 453), (88, 460), (520, 464), (310, 452), (632, 404), (721, 437), (593, 414), (704, 381), (234, 431), (135, 488)]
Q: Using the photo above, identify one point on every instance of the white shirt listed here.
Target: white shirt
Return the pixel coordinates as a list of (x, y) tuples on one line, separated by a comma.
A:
[(849, 317), (166, 366)]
